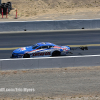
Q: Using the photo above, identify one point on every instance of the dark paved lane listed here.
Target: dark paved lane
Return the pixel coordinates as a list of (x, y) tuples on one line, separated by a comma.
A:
[(60, 38)]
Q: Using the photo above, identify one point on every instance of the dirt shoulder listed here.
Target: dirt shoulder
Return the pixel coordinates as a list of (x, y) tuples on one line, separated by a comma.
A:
[(54, 9), (76, 83)]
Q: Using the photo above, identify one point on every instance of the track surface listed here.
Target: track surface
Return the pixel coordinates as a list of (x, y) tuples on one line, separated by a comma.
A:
[(61, 38)]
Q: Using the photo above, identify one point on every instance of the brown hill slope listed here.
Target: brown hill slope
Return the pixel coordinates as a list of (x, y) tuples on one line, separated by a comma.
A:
[(32, 9)]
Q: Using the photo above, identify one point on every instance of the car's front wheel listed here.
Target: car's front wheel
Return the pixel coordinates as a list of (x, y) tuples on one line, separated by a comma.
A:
[(26, 56)]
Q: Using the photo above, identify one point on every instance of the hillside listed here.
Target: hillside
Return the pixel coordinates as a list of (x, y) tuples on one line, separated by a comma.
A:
[(55, 9)]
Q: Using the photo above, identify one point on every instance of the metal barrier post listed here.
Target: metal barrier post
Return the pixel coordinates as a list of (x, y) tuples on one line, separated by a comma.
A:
[(16, 14)]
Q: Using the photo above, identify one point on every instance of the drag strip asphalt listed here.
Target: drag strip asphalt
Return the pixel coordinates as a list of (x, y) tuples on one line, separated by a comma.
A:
[(91, 38)]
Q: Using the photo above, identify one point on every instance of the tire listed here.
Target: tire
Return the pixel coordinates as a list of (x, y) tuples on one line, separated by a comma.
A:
[(26, 56), (56, 53), (10, 5)]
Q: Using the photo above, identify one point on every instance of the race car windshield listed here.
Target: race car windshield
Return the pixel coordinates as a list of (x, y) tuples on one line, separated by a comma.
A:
[(34, 46)]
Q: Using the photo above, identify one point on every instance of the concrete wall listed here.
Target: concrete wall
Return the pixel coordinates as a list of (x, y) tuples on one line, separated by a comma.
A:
[(56, 62), (49, 25)]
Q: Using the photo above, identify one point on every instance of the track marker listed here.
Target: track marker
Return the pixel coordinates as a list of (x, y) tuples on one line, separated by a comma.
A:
[(82, 56)]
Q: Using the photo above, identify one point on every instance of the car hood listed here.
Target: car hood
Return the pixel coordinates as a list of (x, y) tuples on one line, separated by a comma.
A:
[(23, 50)]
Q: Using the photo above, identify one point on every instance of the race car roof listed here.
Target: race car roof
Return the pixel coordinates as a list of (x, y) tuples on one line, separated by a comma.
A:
[(45, 43)]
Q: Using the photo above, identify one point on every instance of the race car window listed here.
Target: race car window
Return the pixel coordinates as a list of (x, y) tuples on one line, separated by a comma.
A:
[(44, 47), (39, 48), (34, 46), (50, 46)]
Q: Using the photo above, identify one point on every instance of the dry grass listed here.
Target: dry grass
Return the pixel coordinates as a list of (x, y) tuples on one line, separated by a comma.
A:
[(56, 98), (51, 70), (30, 9)]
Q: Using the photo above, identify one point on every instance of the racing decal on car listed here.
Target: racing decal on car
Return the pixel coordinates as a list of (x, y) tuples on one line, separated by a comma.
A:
[(22, 49), (56, 47), (41, 54), (65, 49), (37, 50)]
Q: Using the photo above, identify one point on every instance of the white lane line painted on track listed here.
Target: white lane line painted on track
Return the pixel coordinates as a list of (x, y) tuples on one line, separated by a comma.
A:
[(52, 57)]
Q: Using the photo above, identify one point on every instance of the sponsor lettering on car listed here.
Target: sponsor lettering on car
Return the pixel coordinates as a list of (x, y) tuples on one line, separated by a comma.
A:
[(41, 54)]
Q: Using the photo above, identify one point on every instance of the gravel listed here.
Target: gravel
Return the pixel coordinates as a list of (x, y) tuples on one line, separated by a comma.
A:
[(60, 83)]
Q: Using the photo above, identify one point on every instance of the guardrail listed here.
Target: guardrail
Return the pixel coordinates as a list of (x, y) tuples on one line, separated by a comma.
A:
[(50, 62), (49, 25)]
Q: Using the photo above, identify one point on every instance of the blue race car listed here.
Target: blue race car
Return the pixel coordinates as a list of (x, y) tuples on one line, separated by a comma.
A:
[(42, 49)]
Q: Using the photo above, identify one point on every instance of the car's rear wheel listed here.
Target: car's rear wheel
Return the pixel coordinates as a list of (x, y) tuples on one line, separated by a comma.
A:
[(56, 53), (26, 56)]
